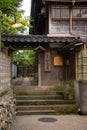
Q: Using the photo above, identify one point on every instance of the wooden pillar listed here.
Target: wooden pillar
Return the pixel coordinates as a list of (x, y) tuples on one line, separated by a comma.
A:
[(39, 49), (39, 69), (85, 46)]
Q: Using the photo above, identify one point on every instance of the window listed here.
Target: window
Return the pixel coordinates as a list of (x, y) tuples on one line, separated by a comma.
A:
[(55, 13), (76, 13), (65, 13), (79, 22), (80, 13), (47, 61), (84, 13), (60, 12)]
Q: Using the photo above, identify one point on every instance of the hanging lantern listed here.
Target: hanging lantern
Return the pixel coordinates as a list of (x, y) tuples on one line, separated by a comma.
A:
[(43, 10), (17, 25)]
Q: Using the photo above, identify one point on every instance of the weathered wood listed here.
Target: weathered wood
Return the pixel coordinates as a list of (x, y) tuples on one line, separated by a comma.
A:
[(75, 23), (79, 27), (59, 27), (56, 45)]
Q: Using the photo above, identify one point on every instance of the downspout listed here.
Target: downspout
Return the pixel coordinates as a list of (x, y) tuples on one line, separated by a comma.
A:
[(71, 20), (71, 16)]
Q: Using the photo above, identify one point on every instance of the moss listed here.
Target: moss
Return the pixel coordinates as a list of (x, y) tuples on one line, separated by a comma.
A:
[(66, 89), (69, 91)]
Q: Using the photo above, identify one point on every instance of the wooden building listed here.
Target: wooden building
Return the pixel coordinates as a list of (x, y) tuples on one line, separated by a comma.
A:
[(65, 20), (59, 38)]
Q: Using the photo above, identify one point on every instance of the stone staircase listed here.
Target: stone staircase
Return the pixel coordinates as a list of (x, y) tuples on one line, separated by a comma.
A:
[(31, 100)]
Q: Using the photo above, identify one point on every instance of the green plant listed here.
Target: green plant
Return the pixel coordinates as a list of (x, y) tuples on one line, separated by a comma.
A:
[(69, 91)]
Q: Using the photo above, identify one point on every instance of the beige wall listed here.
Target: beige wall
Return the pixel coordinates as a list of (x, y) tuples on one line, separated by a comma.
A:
[(5, 70), (81, 65)]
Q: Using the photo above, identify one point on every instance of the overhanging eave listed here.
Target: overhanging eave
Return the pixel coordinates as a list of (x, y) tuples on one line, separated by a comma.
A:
[(32, 41)]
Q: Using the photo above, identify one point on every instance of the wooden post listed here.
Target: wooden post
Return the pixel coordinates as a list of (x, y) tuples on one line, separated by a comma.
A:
[(39, 69), (85, 48), (39, 48)]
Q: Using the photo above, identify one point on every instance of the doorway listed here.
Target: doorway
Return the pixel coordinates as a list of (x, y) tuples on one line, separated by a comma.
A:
[(24, 67)]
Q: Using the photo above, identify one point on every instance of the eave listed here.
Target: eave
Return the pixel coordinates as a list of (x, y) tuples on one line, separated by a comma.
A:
[(65, 1), (18, 42)]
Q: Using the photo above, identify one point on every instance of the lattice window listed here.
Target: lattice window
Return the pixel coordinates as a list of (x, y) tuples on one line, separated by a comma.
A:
[(79, 22), (84, 13), (80, 13), (76, 13), (59, 12), (47, 61)]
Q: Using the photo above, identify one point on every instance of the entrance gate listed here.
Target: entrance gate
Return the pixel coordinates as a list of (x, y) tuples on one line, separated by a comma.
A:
[(52, 60), (51, 53)]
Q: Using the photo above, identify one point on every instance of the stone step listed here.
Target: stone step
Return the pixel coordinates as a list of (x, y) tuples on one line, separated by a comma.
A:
[(44, 107), (34, 93), (32, 88), (37, 101), (36, 112), (29, 97), (43, 102), (47, 109)]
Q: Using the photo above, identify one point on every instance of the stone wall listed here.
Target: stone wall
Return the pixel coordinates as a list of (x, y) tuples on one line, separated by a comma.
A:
[(7, 101), (81, 80), (81, 65), (5, 70)]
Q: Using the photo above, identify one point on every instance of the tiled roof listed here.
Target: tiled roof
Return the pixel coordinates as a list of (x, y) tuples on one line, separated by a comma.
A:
[(35, 39), (21, 41), (67, 0)]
